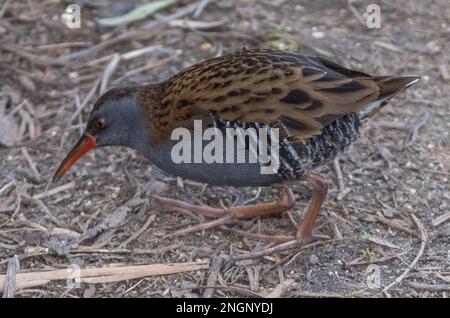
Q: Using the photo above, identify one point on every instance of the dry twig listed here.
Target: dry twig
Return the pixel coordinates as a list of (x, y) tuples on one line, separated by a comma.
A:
[(394, 224), (435, 288), (103, 274), (31, 162), (441, 219), (150, 219), (423, 244), (53, 191), (9, 288), (338, 172), (421, 121), (216, 266)]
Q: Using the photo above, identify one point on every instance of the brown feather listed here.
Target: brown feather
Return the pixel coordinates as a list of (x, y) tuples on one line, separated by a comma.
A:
[(298, 93)]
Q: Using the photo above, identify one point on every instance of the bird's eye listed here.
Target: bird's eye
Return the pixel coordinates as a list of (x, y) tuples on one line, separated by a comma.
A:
[(100, 123)]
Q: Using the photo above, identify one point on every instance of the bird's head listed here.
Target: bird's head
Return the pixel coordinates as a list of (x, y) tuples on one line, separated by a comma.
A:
[(116, 119)]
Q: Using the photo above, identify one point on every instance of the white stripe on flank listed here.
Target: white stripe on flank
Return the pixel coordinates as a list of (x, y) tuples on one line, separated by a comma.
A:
[(376, 104), (413, 82), (286, 164), (291, 150)]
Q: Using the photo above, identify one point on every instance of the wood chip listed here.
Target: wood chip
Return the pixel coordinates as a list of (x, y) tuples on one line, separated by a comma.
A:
[(444, 72), (441, 219)]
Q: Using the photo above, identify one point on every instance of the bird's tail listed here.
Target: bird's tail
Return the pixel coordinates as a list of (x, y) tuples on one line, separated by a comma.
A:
[(389, 86)]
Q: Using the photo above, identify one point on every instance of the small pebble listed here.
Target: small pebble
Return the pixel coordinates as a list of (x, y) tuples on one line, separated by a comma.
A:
[(318, 34), (313, 259), (206, 46)]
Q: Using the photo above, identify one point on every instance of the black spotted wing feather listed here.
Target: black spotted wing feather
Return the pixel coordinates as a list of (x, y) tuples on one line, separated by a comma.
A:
[(300, 94)]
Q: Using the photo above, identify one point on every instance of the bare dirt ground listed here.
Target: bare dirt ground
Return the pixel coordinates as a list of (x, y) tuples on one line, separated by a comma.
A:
[(392, 210)]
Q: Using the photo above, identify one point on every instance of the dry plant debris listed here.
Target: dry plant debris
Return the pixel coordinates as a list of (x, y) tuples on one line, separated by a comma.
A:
[(391, 189)]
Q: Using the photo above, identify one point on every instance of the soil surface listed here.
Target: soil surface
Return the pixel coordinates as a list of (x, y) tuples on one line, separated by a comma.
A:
[(388, 221)]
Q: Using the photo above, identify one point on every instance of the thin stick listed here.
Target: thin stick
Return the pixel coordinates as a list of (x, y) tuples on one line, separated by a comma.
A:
[(436, 288), (417, 125), (423, 244), (61, 45), (53, 191), (241, 290), (159, 250), (4, 7), (86, 99), (80, 121), (318, 295), (150, 219), (30, 162), (355, 12), (382, 219), (35, 59), (375, 261), (260, 237), (279, 248), (202, 5), (109, 70), (291, 218), (197, 25), (48, 213), (258, 193), (338, 172), (136, 53), (104, 274)]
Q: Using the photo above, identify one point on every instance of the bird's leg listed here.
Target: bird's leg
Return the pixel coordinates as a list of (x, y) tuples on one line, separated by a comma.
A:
[(285, 202), (304, 231), (320, 186), (231, 215)]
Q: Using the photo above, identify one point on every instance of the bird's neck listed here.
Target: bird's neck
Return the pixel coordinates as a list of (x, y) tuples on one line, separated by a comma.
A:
[(146, 135), (149, 100)]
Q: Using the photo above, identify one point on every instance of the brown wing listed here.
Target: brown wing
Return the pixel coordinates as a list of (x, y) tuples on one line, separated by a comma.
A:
[(300, 94)]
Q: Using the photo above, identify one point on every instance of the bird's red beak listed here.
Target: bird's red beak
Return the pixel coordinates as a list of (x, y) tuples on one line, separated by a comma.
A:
[(86, 143)]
